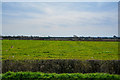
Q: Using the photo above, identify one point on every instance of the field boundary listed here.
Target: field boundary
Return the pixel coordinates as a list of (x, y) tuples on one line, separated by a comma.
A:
[(62, 66)]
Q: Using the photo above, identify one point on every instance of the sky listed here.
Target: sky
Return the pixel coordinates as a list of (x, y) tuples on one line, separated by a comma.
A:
[(0, 18), (60, 19)]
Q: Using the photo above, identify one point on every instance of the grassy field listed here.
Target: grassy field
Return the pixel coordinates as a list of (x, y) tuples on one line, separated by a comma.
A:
[(36, 49), (37, 56)]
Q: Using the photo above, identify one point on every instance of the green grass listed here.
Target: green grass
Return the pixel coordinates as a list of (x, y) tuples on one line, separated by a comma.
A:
[(54, 76), (36, 49)]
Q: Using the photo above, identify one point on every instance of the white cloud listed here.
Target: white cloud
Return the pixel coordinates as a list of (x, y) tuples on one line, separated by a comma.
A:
[(61, 20), (60, 0)]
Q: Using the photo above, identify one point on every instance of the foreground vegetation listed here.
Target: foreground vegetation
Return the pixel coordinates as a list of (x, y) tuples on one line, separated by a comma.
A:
[(36, 49), (54, 76), (71, 58)]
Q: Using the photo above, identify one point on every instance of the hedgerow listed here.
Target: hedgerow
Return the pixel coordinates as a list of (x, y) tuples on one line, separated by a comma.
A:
[(62, 66), (53, 76)]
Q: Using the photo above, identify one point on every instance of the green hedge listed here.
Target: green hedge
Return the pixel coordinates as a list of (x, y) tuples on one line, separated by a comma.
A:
[(62, 66), (54, 76)]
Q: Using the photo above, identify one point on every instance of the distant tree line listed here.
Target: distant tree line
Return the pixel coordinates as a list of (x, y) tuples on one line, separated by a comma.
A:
[(74, 38)]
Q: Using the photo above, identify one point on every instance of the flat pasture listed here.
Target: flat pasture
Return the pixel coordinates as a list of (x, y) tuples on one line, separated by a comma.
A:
[(38, 50)]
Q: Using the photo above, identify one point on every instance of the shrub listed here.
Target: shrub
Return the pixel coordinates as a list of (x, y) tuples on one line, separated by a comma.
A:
[(54, 76)]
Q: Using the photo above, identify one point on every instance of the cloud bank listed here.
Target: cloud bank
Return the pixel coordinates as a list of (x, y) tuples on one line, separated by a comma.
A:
[(60, 19)]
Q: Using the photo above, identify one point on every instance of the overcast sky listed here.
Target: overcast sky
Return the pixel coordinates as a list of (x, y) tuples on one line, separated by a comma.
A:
[(60, 19)]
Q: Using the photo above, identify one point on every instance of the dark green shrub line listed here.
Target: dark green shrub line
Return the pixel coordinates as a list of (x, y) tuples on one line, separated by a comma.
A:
[(62, 66), (54, 76)]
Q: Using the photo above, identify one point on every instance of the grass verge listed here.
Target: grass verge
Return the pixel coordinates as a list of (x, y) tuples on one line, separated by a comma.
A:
[(54, 76)]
